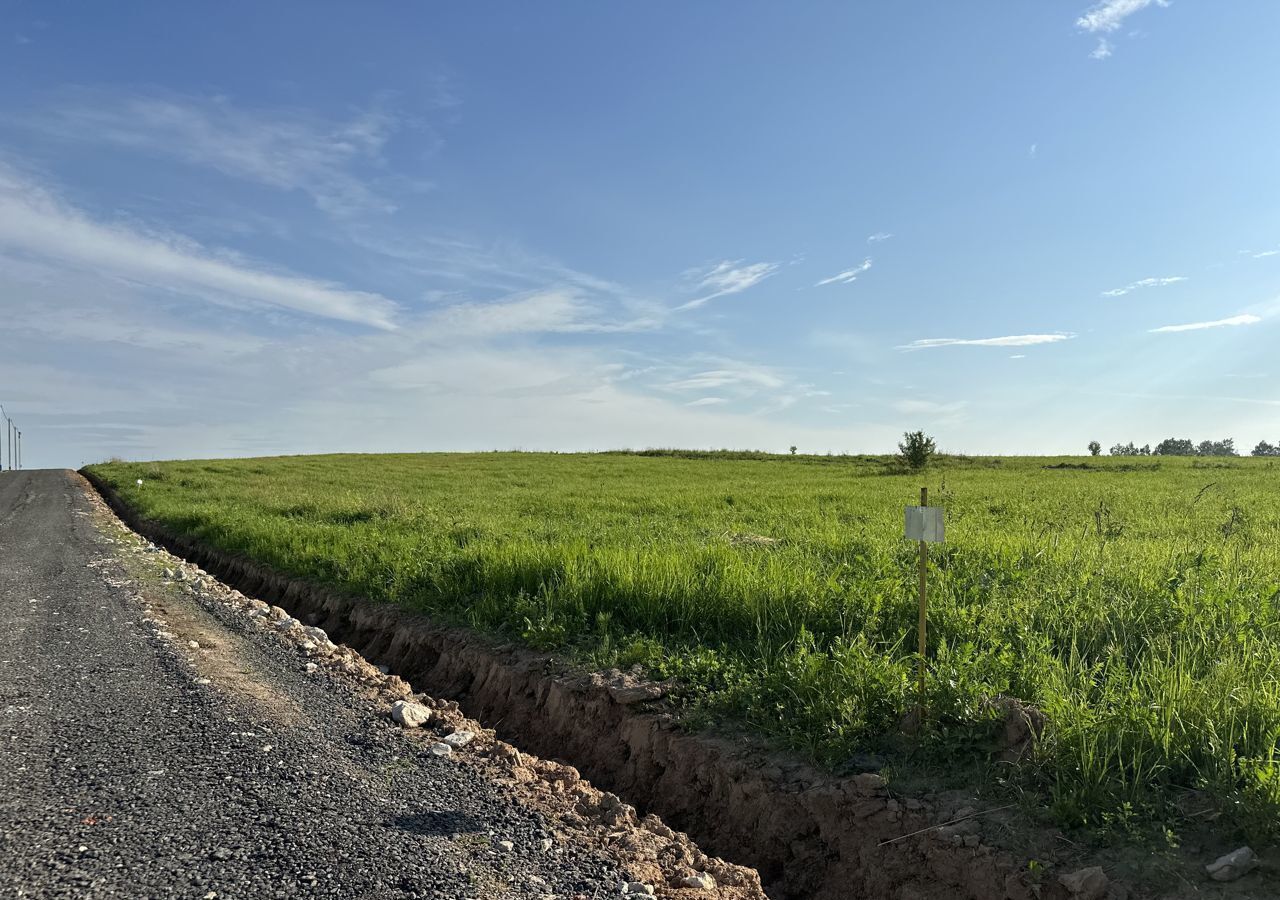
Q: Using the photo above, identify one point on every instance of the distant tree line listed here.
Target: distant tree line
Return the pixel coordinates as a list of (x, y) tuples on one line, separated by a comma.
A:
[(1185, 447)]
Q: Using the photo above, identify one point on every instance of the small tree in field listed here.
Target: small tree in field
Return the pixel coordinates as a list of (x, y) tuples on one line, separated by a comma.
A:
[(916, 449), (1094, 448), (793, 449)]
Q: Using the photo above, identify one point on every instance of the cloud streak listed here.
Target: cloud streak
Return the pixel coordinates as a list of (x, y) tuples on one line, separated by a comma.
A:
[(848, 276), (281, 149), (1108, 17), (1244, 319), (33, 221), (729, 277), (1011, 340), (561, 310), (1144, 283)]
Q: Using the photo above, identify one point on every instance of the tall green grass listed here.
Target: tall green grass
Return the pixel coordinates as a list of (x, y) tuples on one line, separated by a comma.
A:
[(1137, 605)]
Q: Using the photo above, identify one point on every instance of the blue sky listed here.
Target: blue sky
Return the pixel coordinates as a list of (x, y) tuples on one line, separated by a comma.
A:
[(306, 227)]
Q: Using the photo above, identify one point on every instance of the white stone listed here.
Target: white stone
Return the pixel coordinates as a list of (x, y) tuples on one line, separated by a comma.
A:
[(409, 714), (442, 749), (1232, 866), (459, 739), (637, 888), (311, 667), (702, 880), (194, 645), (506, 845)]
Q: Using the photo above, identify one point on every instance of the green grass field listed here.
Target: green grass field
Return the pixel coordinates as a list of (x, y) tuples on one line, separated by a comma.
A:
[(1135, 602)]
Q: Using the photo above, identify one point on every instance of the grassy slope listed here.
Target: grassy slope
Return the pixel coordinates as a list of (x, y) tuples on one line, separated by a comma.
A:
[(1136, 602)]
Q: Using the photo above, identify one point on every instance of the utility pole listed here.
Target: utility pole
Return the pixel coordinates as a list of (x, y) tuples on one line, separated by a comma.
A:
[(19, 449)]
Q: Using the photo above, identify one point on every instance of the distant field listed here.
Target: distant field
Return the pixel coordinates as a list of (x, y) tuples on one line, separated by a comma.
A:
[(1135, 602)]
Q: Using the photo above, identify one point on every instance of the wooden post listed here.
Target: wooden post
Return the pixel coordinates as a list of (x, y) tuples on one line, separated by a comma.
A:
[(924, 607)]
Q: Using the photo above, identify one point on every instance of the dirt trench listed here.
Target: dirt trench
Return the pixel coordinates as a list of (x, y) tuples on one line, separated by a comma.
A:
[(808, 834)]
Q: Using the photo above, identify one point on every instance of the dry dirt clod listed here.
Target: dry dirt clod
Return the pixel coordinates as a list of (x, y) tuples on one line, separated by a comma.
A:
[(1234, 865), (1086, 884), (628, 695), (869, 782)]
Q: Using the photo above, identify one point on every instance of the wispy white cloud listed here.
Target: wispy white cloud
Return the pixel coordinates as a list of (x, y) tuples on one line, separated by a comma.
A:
[(707, 401), (729, 277), (1107, 17), (1243, 319), (878, 237), (554, 310), (1144, 283), (1266, 253), (738, 376), (279, 148), (1011, 340), (930, 407), (848, 276), (33, 221)]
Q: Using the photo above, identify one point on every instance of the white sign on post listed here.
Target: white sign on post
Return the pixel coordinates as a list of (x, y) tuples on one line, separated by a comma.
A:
[(924, 523)]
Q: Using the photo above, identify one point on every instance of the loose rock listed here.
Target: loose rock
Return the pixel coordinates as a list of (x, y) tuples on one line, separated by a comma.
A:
[(1234, 865), (459, 739), (701, 880), (410, 715), (441, 749), (1087, 884)]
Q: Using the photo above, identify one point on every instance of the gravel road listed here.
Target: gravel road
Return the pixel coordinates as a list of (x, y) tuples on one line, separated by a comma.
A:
[(138, 765)]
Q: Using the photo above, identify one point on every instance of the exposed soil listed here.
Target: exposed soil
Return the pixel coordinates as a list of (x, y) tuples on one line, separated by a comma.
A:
[(808, 833)]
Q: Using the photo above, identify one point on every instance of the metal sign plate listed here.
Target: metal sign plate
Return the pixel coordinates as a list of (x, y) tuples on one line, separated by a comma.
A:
[(924, 523)]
